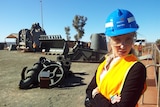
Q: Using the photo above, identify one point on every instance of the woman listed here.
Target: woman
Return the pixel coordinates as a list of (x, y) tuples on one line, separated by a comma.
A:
[(120, 79)]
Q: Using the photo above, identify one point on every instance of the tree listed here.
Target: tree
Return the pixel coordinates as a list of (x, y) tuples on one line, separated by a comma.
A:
[(78, 23), (158, 41), (67, 30)]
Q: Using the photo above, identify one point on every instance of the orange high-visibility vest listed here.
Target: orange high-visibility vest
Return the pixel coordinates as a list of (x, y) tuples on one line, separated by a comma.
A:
[(113, 81)]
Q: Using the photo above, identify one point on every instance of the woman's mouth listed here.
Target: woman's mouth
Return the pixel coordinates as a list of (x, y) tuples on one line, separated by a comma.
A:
[(122, 52)]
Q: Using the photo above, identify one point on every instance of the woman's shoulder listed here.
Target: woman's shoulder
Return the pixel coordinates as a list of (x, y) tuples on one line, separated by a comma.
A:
[(138, 68), (137, 72), (139, 64)]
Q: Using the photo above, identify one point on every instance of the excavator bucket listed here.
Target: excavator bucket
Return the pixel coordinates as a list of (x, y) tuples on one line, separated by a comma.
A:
[(53, 45)]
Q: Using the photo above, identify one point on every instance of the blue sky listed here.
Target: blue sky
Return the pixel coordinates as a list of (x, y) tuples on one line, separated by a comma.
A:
[(57, 14)]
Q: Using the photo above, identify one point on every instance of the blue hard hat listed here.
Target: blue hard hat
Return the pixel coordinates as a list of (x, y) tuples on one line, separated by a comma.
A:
[(120, 22)]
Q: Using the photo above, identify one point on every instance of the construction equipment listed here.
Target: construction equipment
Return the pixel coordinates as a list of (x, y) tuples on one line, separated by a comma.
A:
[(26, 37), (48, 73), (83, 53), (53, 45), (56, 70)]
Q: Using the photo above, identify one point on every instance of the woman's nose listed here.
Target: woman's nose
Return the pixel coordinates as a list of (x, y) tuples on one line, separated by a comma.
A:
[(123, 44)]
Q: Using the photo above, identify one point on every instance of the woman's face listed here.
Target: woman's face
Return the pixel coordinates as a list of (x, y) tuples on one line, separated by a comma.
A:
[(121, 45)]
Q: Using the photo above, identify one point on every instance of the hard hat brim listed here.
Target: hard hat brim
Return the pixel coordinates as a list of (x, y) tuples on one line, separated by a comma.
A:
[(120, 32)]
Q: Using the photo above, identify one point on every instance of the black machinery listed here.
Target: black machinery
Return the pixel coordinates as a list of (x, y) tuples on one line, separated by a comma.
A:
[(81, 52), (26, 37), (54, 71), (93, 53), (56, 45), (53, 45)]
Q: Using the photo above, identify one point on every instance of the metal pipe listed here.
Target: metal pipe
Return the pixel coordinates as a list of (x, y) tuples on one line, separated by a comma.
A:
[(41, 13)]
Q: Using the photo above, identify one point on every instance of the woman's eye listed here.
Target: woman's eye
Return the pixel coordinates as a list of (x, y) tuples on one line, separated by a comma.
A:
[(117, 40)]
